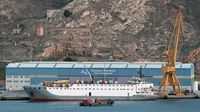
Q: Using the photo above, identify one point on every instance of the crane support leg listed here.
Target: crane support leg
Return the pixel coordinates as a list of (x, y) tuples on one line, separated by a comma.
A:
[(174, 89), (169, 79)]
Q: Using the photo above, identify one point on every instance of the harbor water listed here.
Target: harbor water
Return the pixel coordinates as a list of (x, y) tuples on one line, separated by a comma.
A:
[(160, 105)]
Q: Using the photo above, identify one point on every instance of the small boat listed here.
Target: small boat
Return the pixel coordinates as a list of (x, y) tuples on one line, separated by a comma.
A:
[(96, 102)]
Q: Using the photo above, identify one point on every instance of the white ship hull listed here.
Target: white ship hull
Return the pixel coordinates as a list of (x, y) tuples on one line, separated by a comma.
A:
[(78, 92)]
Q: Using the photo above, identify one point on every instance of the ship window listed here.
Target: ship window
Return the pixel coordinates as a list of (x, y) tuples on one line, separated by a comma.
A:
[(73, 88), (9, 76), (8, 81), (77, 84), (101, 88), (117, 89), (113, 89), (131, 89), (97, 88), (26, 76), (109, 89), (127, 89), (15, 76), (93, 88), (81, 88), (77, 88), (109, 85), (86, 85), (16, 81), (89, 88), (105, 89), (121, 89), (49, 88), (93, 85), (39, 88), (85, 88)]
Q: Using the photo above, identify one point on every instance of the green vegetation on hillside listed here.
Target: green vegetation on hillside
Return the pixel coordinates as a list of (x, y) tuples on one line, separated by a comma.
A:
[(2, 70)]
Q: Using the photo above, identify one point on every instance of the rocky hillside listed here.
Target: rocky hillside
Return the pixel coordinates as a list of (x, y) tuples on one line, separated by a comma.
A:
[(97, 30)]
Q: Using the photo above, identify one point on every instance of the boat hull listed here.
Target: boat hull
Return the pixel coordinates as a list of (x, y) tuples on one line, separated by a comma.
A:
[(42, 94), (88, 102)]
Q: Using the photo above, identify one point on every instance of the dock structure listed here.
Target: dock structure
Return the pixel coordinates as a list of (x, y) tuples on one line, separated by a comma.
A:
[(25, 97), (179, 97), (13, 95), (14, 98)]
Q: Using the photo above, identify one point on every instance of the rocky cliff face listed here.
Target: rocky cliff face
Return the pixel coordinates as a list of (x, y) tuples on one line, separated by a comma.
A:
[(130, 30), (133, 30)]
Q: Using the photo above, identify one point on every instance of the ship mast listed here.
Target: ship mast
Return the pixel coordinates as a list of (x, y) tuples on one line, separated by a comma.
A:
[(91, 77)]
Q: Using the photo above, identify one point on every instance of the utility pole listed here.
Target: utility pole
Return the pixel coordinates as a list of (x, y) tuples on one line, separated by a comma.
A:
[(4, 40)]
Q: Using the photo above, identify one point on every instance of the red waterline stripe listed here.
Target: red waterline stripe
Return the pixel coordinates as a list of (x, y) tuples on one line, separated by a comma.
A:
[(47, 99)]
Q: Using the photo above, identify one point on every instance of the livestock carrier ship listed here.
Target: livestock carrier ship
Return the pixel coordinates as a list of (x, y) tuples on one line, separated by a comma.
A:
[(63, 90)]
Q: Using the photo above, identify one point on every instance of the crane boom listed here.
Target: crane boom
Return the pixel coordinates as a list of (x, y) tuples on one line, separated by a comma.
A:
[(169, 77)]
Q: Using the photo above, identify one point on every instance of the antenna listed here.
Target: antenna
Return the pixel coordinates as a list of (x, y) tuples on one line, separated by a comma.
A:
[(104, 77), (140, 72)]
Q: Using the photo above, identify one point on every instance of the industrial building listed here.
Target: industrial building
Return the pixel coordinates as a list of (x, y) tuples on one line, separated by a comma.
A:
[(25, 73)]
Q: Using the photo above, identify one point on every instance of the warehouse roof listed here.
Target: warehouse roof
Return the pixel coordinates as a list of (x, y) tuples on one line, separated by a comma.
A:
[(44, 64)]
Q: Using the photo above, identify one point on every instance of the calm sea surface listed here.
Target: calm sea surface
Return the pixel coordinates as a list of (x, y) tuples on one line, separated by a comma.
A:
[(191, 105)]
